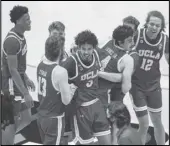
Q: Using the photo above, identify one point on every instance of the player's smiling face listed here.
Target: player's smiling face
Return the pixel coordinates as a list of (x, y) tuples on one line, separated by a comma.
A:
[(86, 52), (154, 26)]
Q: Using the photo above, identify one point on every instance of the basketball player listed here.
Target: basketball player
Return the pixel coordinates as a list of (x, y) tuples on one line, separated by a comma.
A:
[(134, 24), (89, 118), (53, 92), (146, 90), (117, 66), (7, 118), (122, 133), (58, 28), (14, 79)]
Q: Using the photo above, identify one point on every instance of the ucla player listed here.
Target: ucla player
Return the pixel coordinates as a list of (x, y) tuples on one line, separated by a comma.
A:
[(14, 79), (89, 118), (122, 133), (58, 28), (146, 90), (53, 92), (117, 65), (134, 24)]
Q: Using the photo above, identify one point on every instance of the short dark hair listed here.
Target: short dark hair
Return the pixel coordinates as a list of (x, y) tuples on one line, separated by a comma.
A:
[(7, 108), (56, 25), (131, 20), (119, 112), (121, 33), (86, 37), (158, 15), (53, 46), (17, 12)]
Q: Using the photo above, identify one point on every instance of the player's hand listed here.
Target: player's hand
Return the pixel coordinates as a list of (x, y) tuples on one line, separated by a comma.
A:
[(29, 101), (30, 85), (73, 89)]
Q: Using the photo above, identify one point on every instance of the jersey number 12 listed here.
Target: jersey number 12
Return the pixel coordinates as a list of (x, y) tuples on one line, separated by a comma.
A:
[(42, 86), (146, 64)]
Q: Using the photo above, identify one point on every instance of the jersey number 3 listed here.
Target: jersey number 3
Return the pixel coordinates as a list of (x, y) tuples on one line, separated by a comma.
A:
[(42, 86), (146, 64)]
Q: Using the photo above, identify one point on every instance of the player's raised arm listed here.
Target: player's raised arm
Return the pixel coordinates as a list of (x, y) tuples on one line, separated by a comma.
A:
[(128, 67)]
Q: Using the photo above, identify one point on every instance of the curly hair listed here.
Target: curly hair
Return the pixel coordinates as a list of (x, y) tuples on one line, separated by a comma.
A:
[(86, 37), (53, 46), (131, 20), (158, 15), (56, 25), (121, 33), (17, 12), (119, 113)]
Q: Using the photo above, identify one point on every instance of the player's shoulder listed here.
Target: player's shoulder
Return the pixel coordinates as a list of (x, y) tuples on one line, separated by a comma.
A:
[(11, 41), (59, 70), (127, 57)]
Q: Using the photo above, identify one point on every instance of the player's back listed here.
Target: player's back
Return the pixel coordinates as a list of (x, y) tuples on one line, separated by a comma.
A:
[(110, 62), (147, 74), (130, 137), (48, 94)]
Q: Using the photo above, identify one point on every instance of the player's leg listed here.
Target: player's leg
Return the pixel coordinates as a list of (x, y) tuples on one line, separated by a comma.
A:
[(24, 115), (51, 130), (155, 111), (40, 129), (140, 108), (116, 94), (8, 135), (82, 130), (68, 131), (8, 127), (101, 127)]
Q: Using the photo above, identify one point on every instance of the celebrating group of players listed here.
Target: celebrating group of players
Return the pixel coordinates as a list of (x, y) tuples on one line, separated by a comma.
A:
[(83, 93)]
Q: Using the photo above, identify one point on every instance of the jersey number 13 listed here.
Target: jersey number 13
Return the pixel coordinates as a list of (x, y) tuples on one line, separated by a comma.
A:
[(42, 86)]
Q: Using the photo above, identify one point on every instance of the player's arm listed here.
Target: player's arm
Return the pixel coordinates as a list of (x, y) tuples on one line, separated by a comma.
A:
[(29, 82), (70, 66), (113, 77), (166, 52), (64, 86), (135, 57), (127, 64), (12, 47)]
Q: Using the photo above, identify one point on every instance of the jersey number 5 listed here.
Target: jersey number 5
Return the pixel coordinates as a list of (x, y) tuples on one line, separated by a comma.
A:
[(89, 83), (146, 64), (42, 86)]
